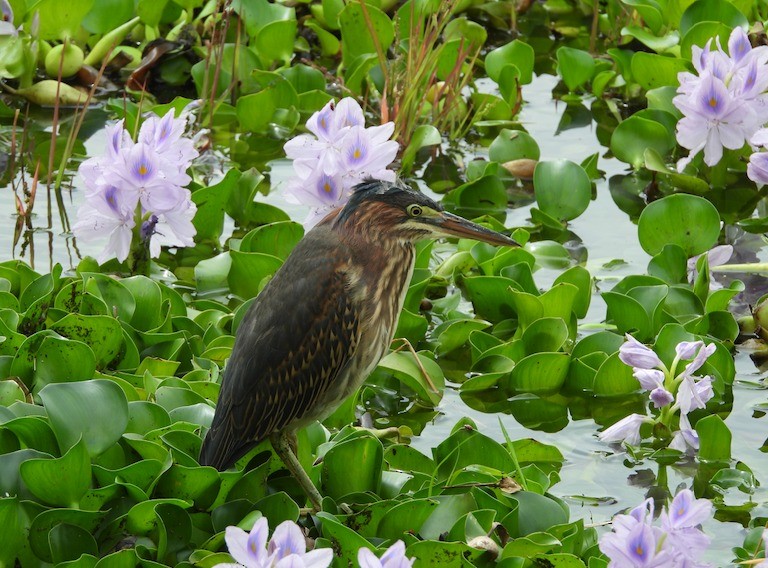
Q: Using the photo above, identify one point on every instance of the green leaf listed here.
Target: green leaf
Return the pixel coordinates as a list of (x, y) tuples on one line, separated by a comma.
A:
[(652, 71), (404, 367), (540, 373), (359, 25), (560, 200), (688, 221), (634, 135), (60, 481), (338, 479), (12, 519), (107, 15), (276, 239), (249, 272), (712, 11), (574, 66), (714, 438), (95, 410), (513, 145), (545, 334), (614, 378), (70, 543), (102, 334), (63, 360), (211, 203), (516, 53), (424, 135), (274, 41), (59, 20), (47, 521)]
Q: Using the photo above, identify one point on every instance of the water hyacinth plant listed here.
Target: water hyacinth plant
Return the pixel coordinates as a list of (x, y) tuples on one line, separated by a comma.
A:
[(669, 391), (340, 153), (635, 542), (135, 194)]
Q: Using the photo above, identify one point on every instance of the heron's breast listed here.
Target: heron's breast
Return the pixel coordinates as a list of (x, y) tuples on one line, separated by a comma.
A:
[(381, 300)]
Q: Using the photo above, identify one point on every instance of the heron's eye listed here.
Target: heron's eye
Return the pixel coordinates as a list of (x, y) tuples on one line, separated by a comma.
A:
[(414, 210)]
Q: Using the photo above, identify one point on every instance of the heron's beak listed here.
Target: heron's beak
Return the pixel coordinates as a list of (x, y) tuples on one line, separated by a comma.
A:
[(459, 227)]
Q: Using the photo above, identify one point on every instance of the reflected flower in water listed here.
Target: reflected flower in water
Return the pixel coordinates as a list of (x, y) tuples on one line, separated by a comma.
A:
[(286, 549), (135, 193), (636, 542), (339, 154)]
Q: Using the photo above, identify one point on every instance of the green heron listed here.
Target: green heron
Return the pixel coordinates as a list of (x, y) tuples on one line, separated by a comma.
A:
[(320, 326)]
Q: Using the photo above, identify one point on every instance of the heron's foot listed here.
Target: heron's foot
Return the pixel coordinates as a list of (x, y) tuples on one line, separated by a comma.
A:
[(281, 442)]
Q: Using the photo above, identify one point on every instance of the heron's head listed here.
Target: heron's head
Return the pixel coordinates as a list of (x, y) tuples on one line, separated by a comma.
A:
[(395, 211)]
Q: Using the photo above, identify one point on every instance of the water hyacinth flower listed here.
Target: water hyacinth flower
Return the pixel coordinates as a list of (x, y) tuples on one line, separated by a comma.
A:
[(724, 105), (135, 194), (393, 557), (339, 153), (635, 542), (669, 390), (286, 549), (7, 28)]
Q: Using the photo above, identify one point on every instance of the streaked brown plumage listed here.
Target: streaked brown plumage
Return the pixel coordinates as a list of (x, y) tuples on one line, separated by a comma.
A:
[(323, 322)]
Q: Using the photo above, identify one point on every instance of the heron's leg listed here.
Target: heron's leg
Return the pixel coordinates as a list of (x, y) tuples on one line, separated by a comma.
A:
[(281, 444)]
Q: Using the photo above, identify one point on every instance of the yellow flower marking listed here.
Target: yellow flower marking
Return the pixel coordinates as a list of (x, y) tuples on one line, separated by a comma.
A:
[(327, 187), (143, 170)]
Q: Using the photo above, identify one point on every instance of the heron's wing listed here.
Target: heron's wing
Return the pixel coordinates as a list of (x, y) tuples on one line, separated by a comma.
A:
[(297, 336)]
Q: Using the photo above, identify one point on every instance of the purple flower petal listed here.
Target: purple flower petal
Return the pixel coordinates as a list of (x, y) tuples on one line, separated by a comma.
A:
[(635, 354), (287, 539), (661, 397), (704, 353), (649, 379), (694, 394), (685, 511)]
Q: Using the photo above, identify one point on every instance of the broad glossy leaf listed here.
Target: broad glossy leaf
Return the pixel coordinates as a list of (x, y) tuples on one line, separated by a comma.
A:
[(540, 373), (59, 20), (63, 360), (714, 438), (516, 53), (46, 521), (634, 135), (276, 239), (574, 66), (615, 378), (688, 221), (59, 481), (557, 198), (357, 38), (545, 334), (652, 70), (95, 410), (513, 145), (712, 11), (338, 479), (102, 334), (249, 270)]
